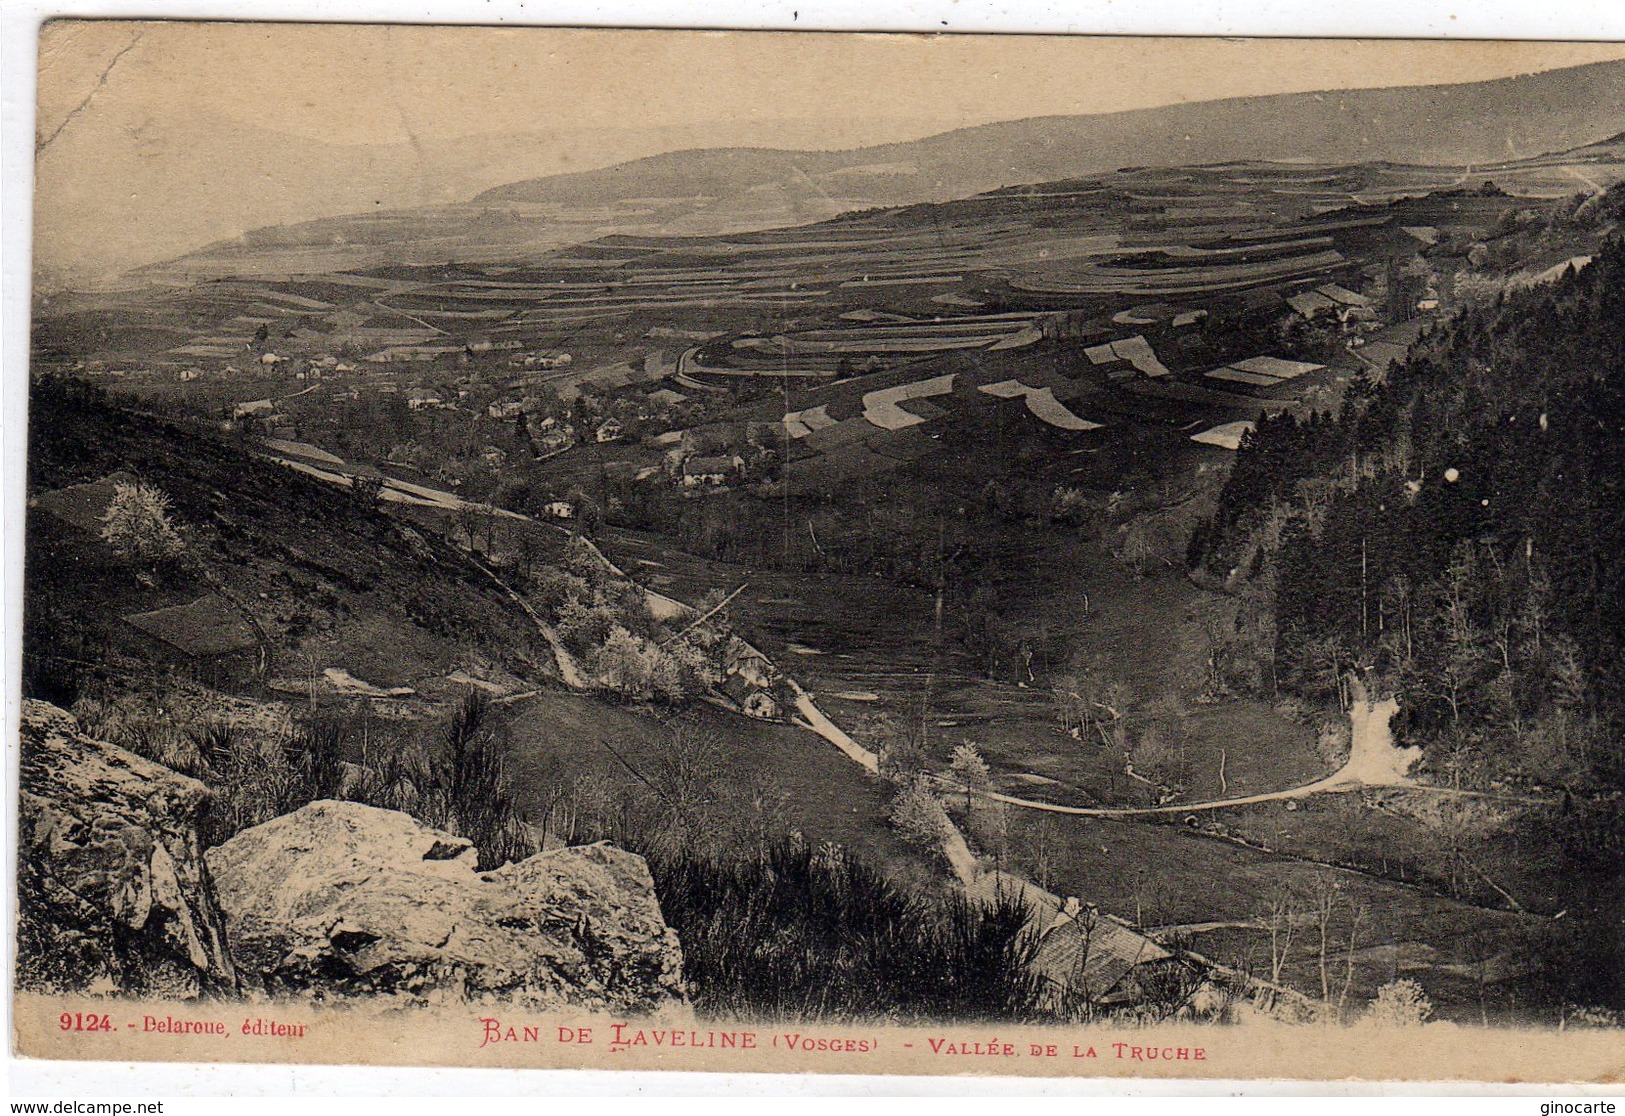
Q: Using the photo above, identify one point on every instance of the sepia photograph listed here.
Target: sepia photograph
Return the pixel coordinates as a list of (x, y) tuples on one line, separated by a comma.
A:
[(824, 552)]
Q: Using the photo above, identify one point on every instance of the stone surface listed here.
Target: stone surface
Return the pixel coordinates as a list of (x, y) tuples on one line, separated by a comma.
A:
[(113, 891), (341, 900)]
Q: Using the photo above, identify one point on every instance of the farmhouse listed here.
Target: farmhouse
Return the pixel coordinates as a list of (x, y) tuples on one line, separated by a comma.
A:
[(254, 407), (555, 439), (1083, 953), (559, 509), (208, 638), (610, 431), (1310, 304), (553, 359), (702, 471), (749, 699), (750, 664)]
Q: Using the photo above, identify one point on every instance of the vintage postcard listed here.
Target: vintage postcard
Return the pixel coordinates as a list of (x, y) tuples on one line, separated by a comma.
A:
[(824, 553)]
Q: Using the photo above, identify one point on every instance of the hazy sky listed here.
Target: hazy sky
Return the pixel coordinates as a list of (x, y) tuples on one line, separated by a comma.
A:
[(159, 137)]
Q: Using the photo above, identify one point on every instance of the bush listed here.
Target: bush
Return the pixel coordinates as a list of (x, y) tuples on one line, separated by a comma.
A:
[(1400, 1003), (918, 814), (805, 933), (136, 525)]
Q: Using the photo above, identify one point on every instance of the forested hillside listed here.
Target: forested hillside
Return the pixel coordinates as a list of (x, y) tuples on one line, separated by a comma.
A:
[(1457, 533)]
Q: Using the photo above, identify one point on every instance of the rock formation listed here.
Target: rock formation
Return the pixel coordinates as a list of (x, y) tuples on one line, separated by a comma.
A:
[(113, 892), (340, 900)]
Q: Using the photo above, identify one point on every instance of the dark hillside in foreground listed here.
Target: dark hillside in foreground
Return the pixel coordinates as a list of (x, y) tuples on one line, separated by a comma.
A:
[(307, 569)]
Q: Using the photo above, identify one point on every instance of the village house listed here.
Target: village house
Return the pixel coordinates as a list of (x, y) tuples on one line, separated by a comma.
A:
[(253, 407), (548, 360), (748, 663), (508, 409), (558, 509), (752, 701), (555, 439), (703, 472), (610, 430)]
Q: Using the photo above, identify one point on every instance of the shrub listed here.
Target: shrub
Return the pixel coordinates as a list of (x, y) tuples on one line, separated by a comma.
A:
[(1400, 1003), (798, 932), (136, 525), (918, 814)]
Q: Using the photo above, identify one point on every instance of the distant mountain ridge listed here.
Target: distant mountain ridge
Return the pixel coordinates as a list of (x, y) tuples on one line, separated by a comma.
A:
[(1481, 122), (718, 191)]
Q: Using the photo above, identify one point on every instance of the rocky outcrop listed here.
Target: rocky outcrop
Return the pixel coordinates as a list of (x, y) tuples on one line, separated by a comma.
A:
[(113, 891), (341, 900)]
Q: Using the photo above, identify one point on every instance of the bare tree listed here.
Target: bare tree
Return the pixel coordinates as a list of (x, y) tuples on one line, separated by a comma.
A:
[(1357, 916), (1280, 922)]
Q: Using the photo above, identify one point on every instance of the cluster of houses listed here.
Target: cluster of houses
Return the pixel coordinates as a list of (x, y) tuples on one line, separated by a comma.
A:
[(1353, 311), (709, 471), (553, 359)]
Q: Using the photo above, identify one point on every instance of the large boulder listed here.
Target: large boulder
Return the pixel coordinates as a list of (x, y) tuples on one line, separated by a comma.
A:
[(113, 893), (339, 900)]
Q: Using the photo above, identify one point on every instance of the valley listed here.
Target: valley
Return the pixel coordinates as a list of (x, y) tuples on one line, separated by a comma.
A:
[(941, 465)]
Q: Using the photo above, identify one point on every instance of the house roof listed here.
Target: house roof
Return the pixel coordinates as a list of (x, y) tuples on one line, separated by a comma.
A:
[(704, 466), (1342, 294), (1092, 953), (737, 688), (1380, 354), (1309, 303), (207, 627), (302, 449)]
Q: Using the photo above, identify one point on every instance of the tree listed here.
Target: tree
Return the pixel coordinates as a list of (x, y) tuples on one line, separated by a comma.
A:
[(1324, 893), (683, 776), (365, 490), (624, 664), (137, 526), (1281, 924), (918, 814), (1400, 1003), (970, 769)]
